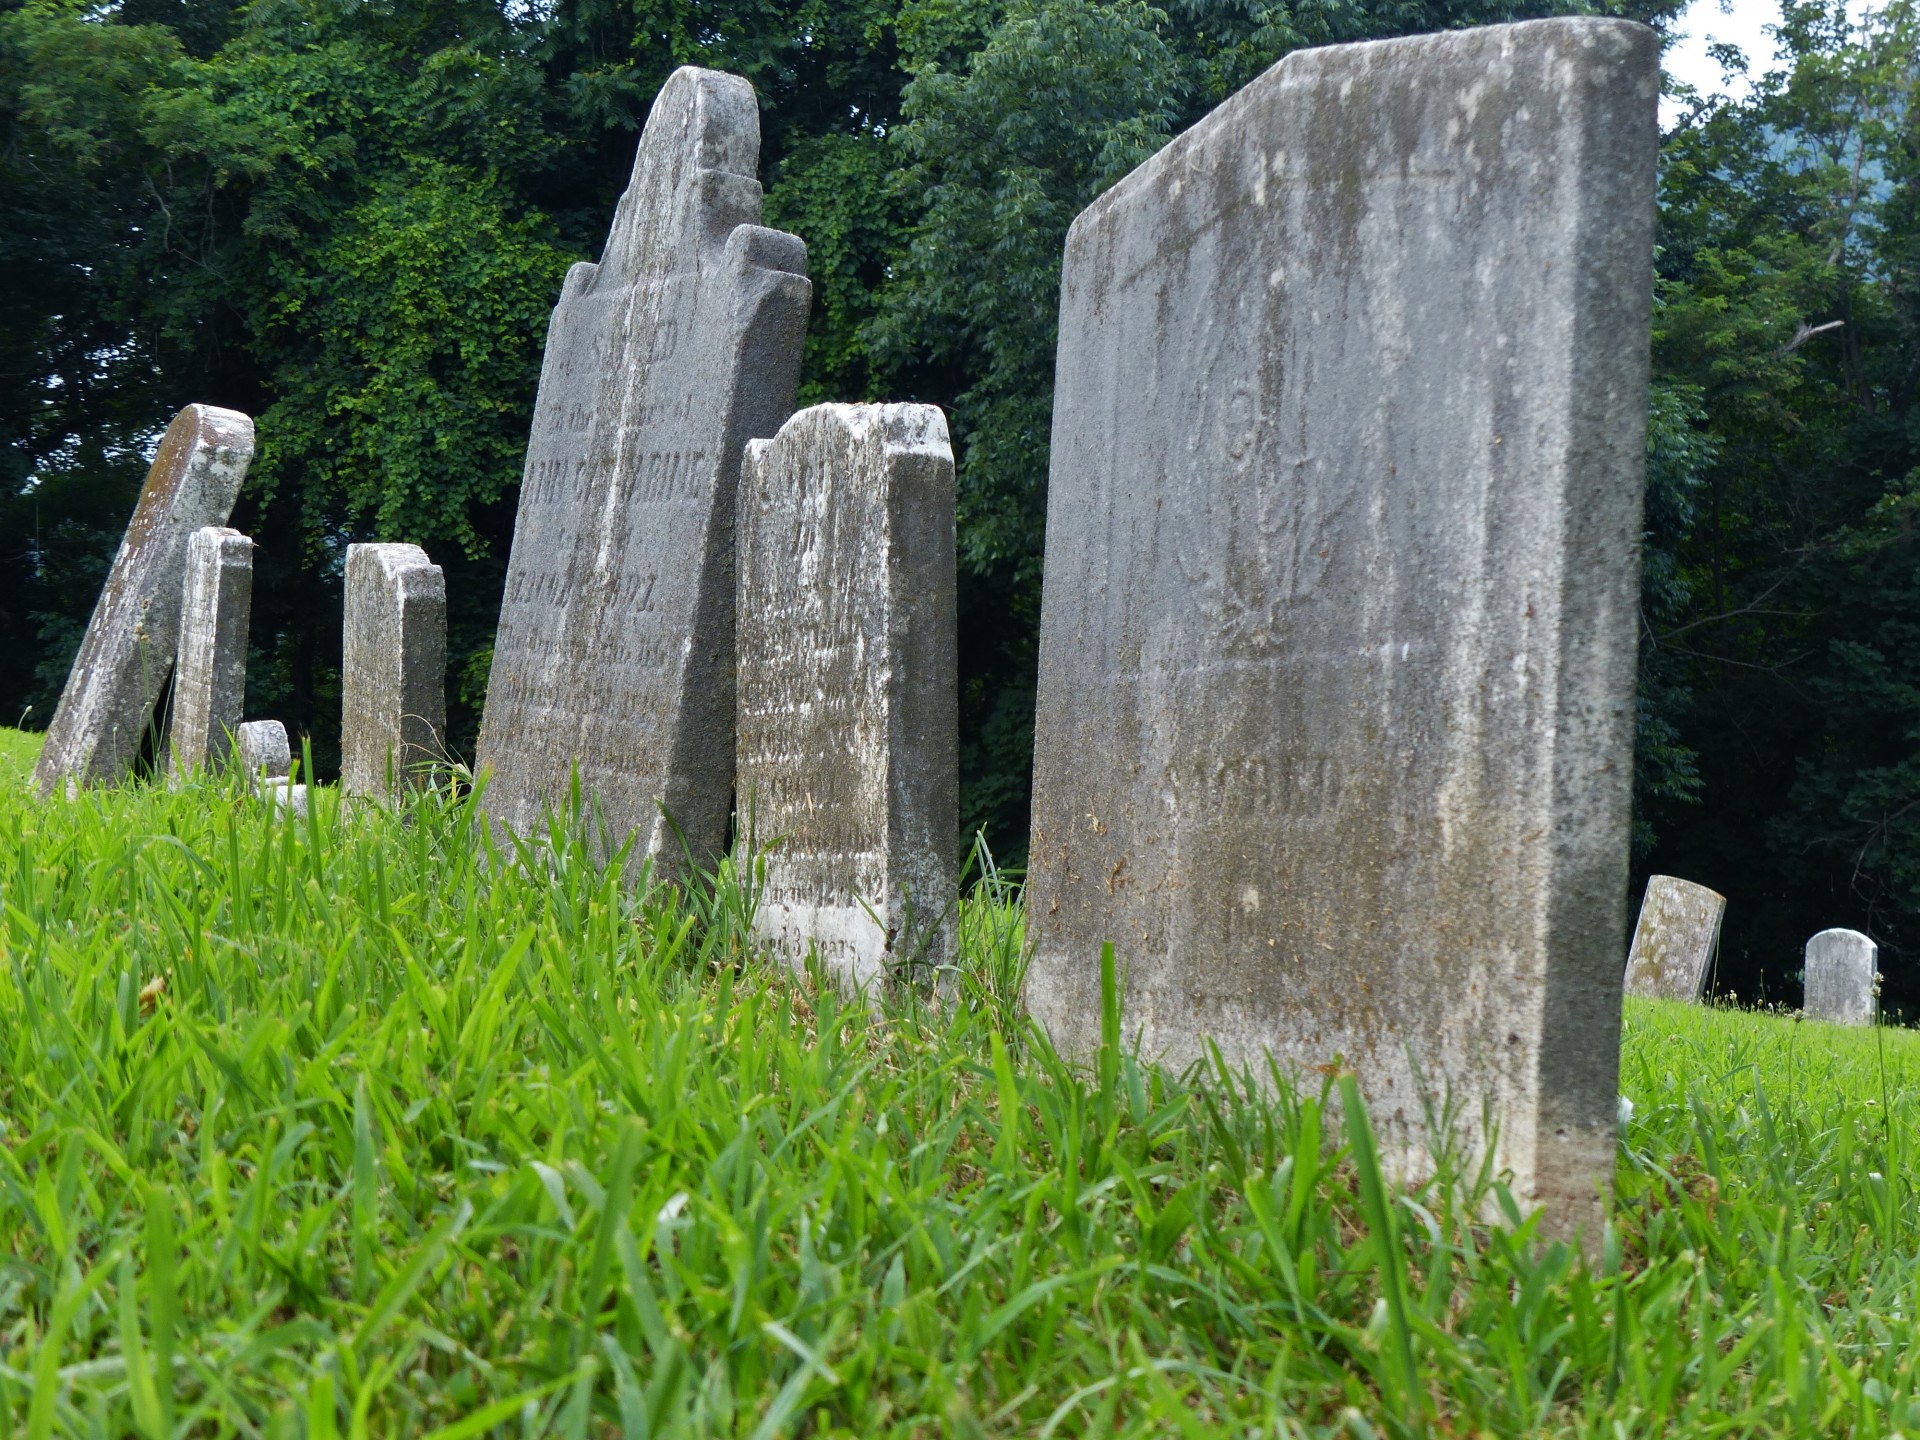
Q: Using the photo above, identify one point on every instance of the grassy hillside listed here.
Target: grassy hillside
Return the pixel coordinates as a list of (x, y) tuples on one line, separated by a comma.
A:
[(351, 1126)]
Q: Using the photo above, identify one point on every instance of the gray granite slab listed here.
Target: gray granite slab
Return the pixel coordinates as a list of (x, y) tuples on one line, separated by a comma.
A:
[(848, 713), (124, 661), (614, 655), (210, 673), (393, 719), (1842, 978), (1335, 718), (1674, 940)]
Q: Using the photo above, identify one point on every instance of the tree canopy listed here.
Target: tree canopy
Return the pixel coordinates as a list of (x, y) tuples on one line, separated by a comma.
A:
[(350, 218)]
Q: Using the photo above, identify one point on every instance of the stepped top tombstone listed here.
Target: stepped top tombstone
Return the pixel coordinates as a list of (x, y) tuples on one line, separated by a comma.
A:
[(848, 697), (615, 649), (210, 674), (1335, 716), (128, 652), (1674, 939), (1842, 968)]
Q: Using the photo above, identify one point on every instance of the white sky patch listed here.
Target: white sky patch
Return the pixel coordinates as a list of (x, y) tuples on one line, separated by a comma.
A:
[(1734, 22)]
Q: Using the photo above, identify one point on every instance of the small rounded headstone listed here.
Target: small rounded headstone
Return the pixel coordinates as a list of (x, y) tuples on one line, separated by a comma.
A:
[(1842, 968)]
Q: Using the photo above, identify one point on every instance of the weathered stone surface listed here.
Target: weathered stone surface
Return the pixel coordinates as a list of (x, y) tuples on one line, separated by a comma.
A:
[(393, 707), (615, 647), (1843, 970), (848, 718), (210, 675), (1675, 939), (1335, 717), (128, 651), (261, 751)]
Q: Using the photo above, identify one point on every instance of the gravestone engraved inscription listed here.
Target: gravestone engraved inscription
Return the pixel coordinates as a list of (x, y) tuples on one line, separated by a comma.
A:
[(1336, 691), (210, 675), (848, 715), (128, 653), (1842, 978), (394, 669), (1674, 939), (615, 649)]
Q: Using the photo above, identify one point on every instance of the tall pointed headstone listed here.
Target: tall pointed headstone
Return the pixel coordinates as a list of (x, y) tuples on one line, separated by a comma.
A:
[(848, 729), (128, 652), (210, 675), (393, 669), (615, 650), (1335, 718)]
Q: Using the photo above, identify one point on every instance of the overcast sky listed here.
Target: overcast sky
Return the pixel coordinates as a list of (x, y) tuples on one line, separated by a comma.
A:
[(1738, 22)]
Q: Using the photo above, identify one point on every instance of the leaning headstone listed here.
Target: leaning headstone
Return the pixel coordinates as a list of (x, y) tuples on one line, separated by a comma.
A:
[(107, 706), (848, 717), (261, 751), (393, 672), (614, 656), (1675, 939), (1336, 693), (210, 676), (1842, 980)]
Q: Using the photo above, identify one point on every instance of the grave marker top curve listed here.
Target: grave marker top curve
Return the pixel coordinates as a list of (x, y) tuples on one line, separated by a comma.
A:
[(615, 647), (1335, 718), (128, 652)]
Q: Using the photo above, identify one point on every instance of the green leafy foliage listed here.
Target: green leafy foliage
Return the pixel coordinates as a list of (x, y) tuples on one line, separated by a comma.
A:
[(351, 1124)]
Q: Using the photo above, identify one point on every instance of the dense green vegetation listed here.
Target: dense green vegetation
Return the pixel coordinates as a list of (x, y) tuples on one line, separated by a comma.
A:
[(350, 1126), (350, 217)]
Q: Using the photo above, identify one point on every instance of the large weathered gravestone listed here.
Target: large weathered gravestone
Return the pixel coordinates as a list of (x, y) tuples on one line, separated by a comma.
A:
[(848, 717), (1335, 718), (393, 672), (1843, 968), (128, 651), (1674, 939), (210, 676), (615, 649)]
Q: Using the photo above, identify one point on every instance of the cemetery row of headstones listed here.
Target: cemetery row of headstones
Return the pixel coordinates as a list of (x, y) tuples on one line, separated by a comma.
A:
[(1334, 728)]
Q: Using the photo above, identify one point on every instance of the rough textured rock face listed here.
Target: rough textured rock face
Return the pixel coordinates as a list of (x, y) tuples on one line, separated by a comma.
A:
[(1335, 722), (1843, 970), (210, 676), (393, 701), (128, 651), (615, 648), (1674, 940), (848, 728)]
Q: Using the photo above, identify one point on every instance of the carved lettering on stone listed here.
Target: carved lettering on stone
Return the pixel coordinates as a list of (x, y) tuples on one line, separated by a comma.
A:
[(394, 669), (128, 653), (1337, 657), (1842, 979), (615, 649), (848, 699), (1675, 939), (210, 676)]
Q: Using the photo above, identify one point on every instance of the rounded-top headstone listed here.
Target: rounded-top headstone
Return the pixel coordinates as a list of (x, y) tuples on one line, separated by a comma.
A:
[(1842, 978), (1675, 939)]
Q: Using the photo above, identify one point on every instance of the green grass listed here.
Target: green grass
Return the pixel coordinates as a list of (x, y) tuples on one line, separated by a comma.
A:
[(349, 1126)]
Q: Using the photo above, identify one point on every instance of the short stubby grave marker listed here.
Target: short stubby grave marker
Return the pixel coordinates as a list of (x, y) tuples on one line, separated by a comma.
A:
[(261, 750), (615, 649), (1843, 968), (210, 676), (1336, 696), (393, 720), (128, 653), (848, 728), (1674, 939)]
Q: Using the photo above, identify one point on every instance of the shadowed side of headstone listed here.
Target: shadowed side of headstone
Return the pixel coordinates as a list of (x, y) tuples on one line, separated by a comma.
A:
[(1334, 731), (1843, 971), (847, 731), (1674, 939), (393, 709), (210, 676), (128, 653), (614, 656)]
